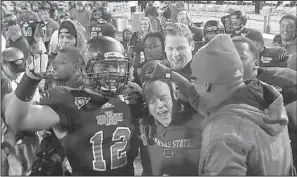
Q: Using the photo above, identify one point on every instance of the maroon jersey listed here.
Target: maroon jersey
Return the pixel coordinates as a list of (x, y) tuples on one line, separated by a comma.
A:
[(100, 137), (101, 29)]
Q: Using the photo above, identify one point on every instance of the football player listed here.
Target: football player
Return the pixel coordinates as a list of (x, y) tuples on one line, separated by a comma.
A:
[(100, 23), (211, 29), (12, 65), (94, 123), (234, 23)]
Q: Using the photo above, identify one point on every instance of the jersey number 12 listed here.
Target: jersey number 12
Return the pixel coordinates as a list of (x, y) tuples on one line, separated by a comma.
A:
[(117, 159)]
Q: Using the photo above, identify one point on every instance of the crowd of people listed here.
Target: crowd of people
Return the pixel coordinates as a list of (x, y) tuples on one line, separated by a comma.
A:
[(185, 100)]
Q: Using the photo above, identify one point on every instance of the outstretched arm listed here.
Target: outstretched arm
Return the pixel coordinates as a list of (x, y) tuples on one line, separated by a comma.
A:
[(20, 113)]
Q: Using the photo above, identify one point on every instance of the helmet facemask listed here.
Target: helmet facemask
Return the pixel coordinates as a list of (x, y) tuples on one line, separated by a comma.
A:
[(108, 73), (211, 31)]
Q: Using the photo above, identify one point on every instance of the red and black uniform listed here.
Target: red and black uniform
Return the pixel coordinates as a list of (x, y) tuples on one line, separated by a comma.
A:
[(274, 57), (174, 150), (100, 135), (101, 29)]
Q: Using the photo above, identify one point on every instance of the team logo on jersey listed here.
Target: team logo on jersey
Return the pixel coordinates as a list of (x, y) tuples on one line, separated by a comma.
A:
[(109, 118), (167, 152), (124, 98), (107, 105), (266, 59), (81, 101), (96, 28)]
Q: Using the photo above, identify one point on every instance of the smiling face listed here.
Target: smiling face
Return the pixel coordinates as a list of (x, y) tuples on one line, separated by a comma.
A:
[(160, 102), (178, 50), (287, 29), (144, 25)]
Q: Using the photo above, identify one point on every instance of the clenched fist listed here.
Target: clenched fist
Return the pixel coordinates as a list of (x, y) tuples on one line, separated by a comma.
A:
[(153, 70)]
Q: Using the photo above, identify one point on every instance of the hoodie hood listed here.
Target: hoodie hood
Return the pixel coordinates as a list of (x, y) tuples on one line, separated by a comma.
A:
[(81, 38), (257, 102)]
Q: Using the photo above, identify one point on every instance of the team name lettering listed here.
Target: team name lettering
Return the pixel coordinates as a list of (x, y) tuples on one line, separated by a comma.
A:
[(96, 29), (181, 143), (266, 59), (109, 118)]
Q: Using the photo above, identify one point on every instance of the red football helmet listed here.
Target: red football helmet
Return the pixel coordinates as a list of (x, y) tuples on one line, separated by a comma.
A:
[(106, 69)]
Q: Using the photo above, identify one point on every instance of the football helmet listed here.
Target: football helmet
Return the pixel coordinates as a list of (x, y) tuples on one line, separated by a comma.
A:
[(234, 22), (102, 15), (106, 69), (213, 28)]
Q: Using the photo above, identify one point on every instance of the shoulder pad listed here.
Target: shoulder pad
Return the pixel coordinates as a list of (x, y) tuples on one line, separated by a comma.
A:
[(56, 96)]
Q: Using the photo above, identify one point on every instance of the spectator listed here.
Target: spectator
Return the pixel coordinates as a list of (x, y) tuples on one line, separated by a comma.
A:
[(152, 14), (28, 21), (72, 7), (45, 28), (3, 10), (100, 24), (282, 78), (142, 5), (166, 19), (81, 14), (175, 9), (287, 37), (239, 124), (153, 49), (179, 45), (69, 34), (126, 40), (185, 18), (14, 35), (269, 56), (170, 121), (145, 27)]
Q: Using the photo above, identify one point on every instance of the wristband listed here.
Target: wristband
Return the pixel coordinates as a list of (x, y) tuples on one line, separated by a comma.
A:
[(26, 88), (168, 74)]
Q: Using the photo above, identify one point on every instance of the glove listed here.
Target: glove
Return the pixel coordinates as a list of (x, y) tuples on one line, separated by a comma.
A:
[(37, 66), (37, 63), (152, 70)]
